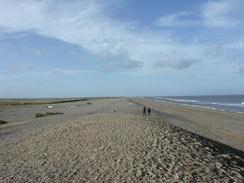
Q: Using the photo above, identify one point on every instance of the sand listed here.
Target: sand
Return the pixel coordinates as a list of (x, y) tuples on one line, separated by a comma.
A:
[(110, 141)]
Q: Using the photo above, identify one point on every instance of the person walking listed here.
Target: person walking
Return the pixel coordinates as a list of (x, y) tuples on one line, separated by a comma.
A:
[(144, 111), (148, 111)]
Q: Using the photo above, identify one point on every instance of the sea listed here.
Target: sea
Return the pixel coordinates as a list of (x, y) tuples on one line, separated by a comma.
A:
[(229, 103)]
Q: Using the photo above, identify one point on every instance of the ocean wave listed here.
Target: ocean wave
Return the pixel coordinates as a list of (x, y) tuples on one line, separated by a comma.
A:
[(229, 104), (231, 107), (197, 106), (183, 100), (242, 103)]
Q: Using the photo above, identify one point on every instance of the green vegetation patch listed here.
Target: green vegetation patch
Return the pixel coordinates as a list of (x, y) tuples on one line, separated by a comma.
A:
[(38, 102), (38, 115)]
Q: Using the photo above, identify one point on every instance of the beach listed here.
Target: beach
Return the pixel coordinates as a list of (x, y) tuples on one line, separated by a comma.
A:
[(224, 127), (108, 140)]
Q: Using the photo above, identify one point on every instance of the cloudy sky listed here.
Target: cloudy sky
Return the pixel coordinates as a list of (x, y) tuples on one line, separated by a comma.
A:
[(60, 48)]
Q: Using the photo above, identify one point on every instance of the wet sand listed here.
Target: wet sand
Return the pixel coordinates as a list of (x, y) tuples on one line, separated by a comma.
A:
[(110, 141)]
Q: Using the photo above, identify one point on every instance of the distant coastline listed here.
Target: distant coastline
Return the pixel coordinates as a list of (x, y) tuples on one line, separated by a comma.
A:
[(228, 103)]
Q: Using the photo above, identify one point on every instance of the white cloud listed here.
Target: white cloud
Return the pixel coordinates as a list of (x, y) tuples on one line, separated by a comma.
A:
[(87, 23), (176, 64), (60, 72), (34, 51), (181, 19), (241, 69), (13, 68), (79, 22), (3, 88), (53, 72), (213, 13), (239, 44), (223, 13)]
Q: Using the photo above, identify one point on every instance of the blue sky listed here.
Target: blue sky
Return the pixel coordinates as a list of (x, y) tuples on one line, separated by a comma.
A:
[(59, 48)]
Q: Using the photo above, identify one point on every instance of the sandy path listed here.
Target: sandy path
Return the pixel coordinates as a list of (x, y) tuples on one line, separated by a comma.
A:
[(116, 147)]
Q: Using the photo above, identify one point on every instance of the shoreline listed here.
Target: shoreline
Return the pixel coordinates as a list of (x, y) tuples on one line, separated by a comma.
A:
[(194, 106), (224, 127)]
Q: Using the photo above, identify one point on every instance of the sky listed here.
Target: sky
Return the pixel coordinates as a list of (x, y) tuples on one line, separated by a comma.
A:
[(86, 48)]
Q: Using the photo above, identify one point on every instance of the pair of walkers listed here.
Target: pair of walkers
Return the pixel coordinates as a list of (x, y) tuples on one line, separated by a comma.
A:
[(146, 111)]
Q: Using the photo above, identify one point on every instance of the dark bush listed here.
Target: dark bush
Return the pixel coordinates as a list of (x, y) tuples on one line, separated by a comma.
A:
[(2, 122), (38, 115)]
